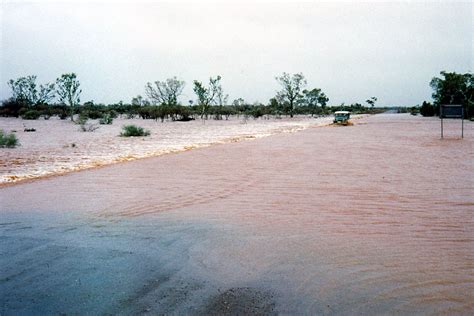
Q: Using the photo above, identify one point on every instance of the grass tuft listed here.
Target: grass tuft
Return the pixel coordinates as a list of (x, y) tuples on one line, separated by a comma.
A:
[(8, 140)]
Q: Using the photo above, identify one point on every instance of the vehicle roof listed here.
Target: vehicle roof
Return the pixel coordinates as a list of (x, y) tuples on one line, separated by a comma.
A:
[(341, 112)]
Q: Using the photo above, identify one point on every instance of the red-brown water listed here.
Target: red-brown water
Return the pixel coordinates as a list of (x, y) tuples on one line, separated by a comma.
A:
[(371, 218)]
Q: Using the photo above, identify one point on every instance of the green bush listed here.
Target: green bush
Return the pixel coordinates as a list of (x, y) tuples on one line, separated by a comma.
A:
[(112, 114), (31, 115), (92, 114), (133, 130), (107, 119), (256, 112), (82, 119), (61, 112), (8, 140), (414, 110), (12, 107)]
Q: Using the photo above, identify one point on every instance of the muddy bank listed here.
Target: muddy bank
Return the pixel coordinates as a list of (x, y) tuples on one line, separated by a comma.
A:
[(373, 218)]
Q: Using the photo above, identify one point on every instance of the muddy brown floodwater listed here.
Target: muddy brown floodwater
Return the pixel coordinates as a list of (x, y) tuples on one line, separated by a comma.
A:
[(375, 218), (59, 146)]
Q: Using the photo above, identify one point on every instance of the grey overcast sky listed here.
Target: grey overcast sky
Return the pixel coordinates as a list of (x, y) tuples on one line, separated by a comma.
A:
[(351, 50)]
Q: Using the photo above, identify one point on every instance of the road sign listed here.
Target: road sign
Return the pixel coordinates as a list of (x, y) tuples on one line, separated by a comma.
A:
[(452, 111)]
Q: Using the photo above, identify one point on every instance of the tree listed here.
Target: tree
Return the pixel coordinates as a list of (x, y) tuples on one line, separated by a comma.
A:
[(427, 109), (291, 89), (68, 91), (165, 92), (314, 97), (221, 100), (238, 102), (24, 89), (323, 100), (46, 93), (454, 88), (371, 101), (207, 95), (137, 101), (311, 99)]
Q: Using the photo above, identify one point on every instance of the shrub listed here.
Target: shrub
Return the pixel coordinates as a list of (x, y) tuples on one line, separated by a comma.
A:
[(92, 114), (107, 119), (60, 110), (152, 112), (133, 130), (414, 110), (112, 114), (12, 107), (31, 115), (88, 127), (82, 121), (227, 111), (8, 140), (256, 112), (63, 115)]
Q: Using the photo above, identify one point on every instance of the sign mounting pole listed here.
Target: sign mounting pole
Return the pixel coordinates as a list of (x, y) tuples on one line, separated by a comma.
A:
[(451, 111)]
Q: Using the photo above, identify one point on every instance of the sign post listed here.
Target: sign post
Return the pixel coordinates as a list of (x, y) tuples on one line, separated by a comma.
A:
[(452, 111)]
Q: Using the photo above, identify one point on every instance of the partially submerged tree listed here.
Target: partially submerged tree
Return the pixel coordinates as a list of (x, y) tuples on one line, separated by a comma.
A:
[(165, 92), (291, 91), (68, 91), (207, 95), (221, 100), (314, 97), (24, 89), (46, 93), (323, 100)]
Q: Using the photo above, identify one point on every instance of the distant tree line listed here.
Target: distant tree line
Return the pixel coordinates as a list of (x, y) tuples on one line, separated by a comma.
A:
[(62, 98), (31, 101)]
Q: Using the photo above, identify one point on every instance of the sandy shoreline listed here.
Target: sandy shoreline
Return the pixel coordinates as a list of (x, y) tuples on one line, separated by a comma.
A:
[(59, 147)]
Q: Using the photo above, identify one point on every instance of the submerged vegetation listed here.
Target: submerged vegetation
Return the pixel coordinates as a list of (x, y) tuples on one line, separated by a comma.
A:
[(32, 101), (8, 140), (133, 130), (106, 119)]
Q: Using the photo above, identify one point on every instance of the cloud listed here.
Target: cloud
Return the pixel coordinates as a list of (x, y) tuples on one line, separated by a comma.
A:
[(351, 50)]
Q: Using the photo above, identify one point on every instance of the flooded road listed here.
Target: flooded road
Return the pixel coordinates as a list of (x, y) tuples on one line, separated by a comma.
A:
[(366, 219)]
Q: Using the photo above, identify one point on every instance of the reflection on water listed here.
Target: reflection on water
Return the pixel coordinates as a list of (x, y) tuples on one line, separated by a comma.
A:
[(368, 219)]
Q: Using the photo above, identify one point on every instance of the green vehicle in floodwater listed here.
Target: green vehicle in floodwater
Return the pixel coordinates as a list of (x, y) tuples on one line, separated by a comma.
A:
[(342, 117)]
